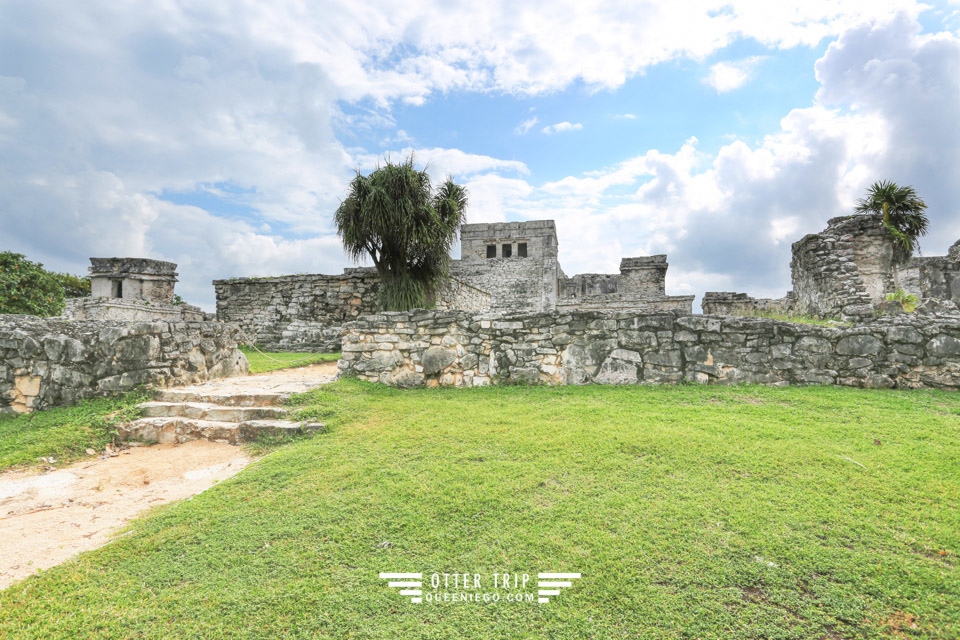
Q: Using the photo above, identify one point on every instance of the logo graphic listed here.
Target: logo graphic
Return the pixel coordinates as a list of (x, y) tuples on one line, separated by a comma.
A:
[(408, 583), (549, 584), (476, 587)]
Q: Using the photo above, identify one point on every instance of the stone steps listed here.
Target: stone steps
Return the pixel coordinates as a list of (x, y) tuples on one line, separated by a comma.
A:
[(235, 416), (225, 399), (177, 430), (211, 411)]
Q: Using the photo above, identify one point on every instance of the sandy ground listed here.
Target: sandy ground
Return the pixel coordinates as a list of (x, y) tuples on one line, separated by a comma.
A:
[(47, 518)]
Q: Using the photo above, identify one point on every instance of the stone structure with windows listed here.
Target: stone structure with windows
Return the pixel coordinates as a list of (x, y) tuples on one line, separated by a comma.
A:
[(504, 267), (131, 290)]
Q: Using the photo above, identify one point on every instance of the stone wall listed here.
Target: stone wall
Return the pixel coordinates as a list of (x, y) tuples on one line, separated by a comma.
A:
[(122, 310), (729, 303), (637, 302), (47, 362), (462, 349), (849, 267), (301, 313), (457, 294), (511, 284), (826, 279)]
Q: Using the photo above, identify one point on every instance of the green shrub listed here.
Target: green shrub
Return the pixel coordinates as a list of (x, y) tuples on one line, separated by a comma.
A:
[(26, 287), (907, 300), (74, 286)]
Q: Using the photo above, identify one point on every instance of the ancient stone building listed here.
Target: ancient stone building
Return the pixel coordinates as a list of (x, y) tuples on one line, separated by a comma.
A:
[(846, 270), (131, 289), (504, 267)]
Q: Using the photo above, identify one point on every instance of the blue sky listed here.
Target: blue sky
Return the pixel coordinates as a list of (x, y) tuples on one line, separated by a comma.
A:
[(221, 136)]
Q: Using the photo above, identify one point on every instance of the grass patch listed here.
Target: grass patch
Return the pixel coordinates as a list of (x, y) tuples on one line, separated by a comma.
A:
[(692, 512), (64, 433), (263, 362)]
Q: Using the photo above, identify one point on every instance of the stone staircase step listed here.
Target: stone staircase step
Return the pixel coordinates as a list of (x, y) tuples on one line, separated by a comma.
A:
[(210, 411), (243, 399), (177, 429)]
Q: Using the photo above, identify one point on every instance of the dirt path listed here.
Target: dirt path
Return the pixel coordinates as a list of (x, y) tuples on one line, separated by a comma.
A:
[(47, 518)]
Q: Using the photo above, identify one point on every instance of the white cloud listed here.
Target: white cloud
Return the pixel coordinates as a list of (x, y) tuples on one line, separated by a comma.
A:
[(526, 125), (103, 109), (727, 76), (625, 116), (561, 127)]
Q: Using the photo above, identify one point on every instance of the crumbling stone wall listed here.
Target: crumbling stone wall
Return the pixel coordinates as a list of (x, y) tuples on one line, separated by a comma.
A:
[(826, 279), (303, 313), (729, 303), (462, 349), (849, 267), (46, 362)]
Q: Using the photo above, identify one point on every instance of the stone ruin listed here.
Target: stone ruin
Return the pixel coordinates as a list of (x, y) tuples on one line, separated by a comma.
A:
[(130, 290), (846, 271), (504, 267)]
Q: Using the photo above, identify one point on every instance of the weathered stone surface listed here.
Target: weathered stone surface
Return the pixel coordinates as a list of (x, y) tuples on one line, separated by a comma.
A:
[(933, 305), (585, 347), (51, 362), (859, 346), (436, 359)]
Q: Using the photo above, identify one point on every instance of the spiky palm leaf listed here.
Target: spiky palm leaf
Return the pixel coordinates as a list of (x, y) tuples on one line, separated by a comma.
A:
[(903, 214), (394, 216)]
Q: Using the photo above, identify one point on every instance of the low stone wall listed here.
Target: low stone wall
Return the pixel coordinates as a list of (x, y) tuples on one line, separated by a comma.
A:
[(461, 349), (302, 313), (130, 310), (729, 303), (635, 302), (47, 362)]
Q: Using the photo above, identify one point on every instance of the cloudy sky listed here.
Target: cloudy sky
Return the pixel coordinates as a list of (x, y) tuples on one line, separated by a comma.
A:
[(221, 135)]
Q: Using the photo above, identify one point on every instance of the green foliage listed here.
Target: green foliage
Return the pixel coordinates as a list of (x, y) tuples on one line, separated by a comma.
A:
[(73, 286), (908, 300), (26, 287), (65, 433), (731, 513), (263, 362), (903, 214), (394, 216)]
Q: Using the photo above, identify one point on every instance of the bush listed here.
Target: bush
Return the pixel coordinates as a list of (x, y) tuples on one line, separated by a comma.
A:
[(907, 300), (26, 287), (73, 286)]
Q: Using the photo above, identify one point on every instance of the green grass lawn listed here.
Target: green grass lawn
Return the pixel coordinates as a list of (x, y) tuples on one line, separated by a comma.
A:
[(63, 433), (260, 363), (691, 512)]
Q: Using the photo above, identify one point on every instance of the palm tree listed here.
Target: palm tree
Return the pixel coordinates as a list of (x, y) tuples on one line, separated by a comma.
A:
[(903, 214), (394, 216)]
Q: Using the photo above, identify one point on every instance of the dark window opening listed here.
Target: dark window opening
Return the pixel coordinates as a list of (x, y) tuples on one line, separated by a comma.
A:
[(522, 250), (491, 251), (507, 251), (118, 288)]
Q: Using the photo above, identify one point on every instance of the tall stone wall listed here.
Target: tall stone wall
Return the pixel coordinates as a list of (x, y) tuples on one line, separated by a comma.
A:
[(302, 313), (462, 349), (636, 302), (826, 279), (849, 267), (47, 362)]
